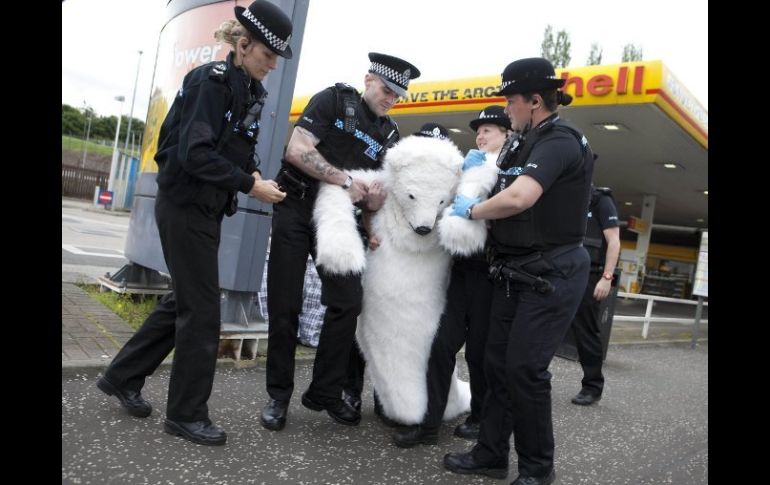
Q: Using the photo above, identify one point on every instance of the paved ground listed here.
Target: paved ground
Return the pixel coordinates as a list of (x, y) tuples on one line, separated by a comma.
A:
[(651, 427)]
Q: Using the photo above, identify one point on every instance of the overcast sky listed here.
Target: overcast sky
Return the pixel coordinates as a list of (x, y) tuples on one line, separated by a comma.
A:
[(445, 39)]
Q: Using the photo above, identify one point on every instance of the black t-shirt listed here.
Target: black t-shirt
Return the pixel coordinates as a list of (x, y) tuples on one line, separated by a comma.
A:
[(362, 149), (319, 114), (601, 215)]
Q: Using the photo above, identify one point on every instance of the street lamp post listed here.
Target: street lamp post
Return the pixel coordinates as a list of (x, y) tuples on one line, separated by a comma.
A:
[(114, 164), (133, 98), (88, 132)]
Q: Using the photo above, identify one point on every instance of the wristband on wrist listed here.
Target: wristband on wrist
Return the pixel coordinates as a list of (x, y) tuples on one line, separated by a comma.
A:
[(469, 212), (348, 183)]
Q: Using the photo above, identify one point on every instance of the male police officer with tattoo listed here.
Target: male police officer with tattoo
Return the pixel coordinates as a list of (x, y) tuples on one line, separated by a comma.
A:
[(603, 244), (339, 130), (537, 212), (205, 155)]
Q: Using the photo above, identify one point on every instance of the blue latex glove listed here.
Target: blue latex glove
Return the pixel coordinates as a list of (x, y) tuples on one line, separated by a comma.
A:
[(461, 203), (474, 158)]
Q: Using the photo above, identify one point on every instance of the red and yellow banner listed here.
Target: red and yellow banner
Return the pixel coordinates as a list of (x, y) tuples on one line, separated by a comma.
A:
[(615, 84)]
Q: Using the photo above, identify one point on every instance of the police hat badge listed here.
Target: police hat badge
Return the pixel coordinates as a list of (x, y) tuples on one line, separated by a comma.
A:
[(395, 72)]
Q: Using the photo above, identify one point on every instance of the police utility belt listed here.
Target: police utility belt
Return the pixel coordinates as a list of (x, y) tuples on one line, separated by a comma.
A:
[(293, 182), (526, 269)]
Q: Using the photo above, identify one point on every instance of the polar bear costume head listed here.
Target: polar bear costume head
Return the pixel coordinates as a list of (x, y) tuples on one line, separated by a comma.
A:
[(420, 177)]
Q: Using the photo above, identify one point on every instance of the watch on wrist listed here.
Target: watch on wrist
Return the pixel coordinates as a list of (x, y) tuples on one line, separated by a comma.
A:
[(469, 211), (348, 183), (607, 276)]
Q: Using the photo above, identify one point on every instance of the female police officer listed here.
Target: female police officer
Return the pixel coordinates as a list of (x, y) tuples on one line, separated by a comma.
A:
[(537, 214), (205, 155)]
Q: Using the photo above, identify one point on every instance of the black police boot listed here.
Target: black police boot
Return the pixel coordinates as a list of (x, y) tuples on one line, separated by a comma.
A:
[(132, 401), (466, 464), (416, 435), (336, 408), (546, 480), (469, 429), (202, 432), (585, 398), (273, 415)]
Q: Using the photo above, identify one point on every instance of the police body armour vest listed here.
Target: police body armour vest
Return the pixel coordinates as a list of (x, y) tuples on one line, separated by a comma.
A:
[(551, 223), (356, 142)]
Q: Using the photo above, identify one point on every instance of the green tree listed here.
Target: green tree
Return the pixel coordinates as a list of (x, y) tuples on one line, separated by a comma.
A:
[(72, 121), (556, 50), (595, 56), (631, 53)]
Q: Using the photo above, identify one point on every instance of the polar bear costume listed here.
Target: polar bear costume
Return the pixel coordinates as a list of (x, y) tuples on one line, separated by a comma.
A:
[(406, 277)]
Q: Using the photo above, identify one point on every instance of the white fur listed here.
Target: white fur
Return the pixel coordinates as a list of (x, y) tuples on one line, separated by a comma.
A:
[(340, 249), (406, 278), (461, 236)]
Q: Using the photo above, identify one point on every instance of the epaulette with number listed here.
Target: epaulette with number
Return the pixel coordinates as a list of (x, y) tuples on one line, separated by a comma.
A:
[(345, 87), (218, 71)]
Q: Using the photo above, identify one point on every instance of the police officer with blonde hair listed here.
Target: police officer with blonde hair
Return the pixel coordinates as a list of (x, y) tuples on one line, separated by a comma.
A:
[(537, 214), (205, 155)]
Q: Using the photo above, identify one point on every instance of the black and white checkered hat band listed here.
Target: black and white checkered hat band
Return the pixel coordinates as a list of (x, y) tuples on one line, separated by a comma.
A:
[(508, 83), (435, 133), (273, 39), (400, 78)]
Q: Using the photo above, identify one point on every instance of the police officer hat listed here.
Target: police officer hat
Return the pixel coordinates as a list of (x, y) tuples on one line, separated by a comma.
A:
[(528, 76), (268, 24), (494, 115), (433, 130), (395, 72)]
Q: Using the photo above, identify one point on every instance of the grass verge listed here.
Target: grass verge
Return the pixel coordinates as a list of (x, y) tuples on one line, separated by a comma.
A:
[(134, 309)]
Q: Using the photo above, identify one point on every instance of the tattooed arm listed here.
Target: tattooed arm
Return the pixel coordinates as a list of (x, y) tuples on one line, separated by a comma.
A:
[(302, 154)]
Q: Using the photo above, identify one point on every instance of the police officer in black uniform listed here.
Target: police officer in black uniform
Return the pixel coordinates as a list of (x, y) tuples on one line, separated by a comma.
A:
[(603, 244), (339, 130), (540, 268), (205, 155)]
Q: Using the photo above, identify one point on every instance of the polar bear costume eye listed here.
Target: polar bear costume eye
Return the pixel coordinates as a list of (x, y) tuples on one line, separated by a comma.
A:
[(411, 196)]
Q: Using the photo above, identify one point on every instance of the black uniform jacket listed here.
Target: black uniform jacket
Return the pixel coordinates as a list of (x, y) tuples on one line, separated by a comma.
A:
[(202, 155)]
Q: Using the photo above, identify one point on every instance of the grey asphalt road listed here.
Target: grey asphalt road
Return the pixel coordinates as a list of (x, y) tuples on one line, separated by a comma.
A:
[(650, 427)]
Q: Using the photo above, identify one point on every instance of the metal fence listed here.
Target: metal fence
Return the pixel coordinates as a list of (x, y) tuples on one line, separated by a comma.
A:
[(80, 182)]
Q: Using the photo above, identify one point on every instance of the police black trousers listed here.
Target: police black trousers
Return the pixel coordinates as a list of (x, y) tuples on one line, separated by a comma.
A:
[(465, 320), (354, 383), (291, 240), (526, 328), (342, 296), (588, 338), (186, 320)]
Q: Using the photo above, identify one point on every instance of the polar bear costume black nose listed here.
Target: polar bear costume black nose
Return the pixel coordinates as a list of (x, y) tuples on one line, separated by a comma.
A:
[(423, 230)]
